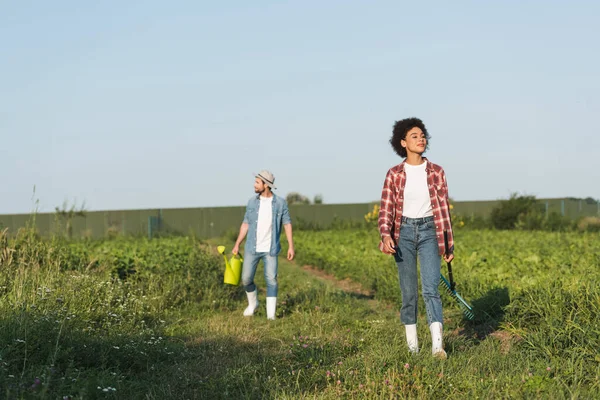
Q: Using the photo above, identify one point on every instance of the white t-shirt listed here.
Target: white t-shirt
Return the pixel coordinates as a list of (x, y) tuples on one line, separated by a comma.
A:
[(264, 227), (417, 203)]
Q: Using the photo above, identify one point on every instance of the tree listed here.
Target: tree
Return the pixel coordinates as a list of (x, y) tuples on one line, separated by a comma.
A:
[(318, 199), (296, 198), (525, 211), (67, 214)]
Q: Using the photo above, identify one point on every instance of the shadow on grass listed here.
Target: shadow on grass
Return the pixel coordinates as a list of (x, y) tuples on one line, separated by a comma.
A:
[(53, 355), (65, 360), (489, 314), (489, 311), (227, 368)]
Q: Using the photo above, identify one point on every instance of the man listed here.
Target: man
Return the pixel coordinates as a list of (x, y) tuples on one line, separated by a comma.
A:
[(265, 214)]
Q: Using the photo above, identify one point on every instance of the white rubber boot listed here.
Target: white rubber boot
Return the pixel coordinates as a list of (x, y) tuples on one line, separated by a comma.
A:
[(271, 306), (252, 303), (437, 342), (411, 338)]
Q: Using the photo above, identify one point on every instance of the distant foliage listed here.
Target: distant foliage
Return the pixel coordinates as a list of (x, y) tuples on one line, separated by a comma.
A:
[(296, 198), (527, 213), (66, 214), (522, 212), (372, 217), (589, 224)]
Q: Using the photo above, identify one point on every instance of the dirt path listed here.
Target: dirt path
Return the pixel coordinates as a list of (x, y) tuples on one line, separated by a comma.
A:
[(352, 288), (346, 285), (355, 289)]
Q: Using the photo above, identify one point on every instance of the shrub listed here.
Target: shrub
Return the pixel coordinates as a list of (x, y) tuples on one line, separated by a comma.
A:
[(372, 217), (556, 222), (524, 212), (589, 224)]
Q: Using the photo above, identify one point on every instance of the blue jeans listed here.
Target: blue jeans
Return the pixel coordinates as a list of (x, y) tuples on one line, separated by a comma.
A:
[(418, 237), (249, 270)]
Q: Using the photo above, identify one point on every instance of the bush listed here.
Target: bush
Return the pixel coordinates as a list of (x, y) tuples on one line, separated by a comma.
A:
[(530, 221), (589, 224), (372, 217), (477, 222), (556, 222), (523, 212), (296, 198)]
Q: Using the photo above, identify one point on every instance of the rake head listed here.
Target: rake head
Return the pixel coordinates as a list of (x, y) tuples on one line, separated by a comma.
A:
[(466, 309)]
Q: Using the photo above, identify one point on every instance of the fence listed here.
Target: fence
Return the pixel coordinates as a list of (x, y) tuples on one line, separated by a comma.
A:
[(217, 221), (567, 207)]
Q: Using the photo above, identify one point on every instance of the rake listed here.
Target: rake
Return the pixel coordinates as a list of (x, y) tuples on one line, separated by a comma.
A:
[(450, 287)]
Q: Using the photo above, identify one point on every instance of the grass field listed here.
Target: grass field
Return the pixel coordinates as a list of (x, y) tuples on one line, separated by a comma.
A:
[(139, 319)]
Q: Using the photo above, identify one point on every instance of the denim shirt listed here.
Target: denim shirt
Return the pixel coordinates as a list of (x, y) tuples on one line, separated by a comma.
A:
[(281, 216)]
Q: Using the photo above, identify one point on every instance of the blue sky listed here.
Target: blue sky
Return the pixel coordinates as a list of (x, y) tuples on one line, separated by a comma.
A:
[(153, 104)]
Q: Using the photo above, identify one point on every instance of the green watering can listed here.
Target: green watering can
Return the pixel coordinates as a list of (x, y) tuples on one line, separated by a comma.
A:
[(233, 268)]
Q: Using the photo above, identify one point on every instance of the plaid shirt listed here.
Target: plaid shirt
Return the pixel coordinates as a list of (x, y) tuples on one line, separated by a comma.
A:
[(392, 202)]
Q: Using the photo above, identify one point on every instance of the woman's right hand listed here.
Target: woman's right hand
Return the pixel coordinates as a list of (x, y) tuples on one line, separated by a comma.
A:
[(389, 247)]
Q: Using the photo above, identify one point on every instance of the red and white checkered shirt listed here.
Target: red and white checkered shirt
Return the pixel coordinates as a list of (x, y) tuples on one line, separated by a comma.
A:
[(392, 202)]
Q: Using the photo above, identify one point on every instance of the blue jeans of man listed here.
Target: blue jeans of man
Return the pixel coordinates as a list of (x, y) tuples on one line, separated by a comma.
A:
[(249, 270), (418, 237)]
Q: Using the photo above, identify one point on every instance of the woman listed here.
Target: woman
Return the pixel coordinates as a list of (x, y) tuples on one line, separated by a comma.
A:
[(413, 216)]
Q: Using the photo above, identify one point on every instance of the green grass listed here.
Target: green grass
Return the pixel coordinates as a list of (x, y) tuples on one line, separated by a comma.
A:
[(153, 320)]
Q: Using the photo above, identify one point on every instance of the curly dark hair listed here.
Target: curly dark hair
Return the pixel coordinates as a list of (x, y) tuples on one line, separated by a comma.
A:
[(401, 128)]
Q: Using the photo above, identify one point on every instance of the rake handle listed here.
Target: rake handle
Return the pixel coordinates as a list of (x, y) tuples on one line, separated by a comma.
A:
[(450, 277)]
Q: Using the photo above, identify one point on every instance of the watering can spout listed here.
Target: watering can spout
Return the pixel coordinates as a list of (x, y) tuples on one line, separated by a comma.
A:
[(233, 267)]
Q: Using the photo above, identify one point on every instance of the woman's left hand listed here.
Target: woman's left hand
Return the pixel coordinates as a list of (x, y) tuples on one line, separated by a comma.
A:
[(448, 257)]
